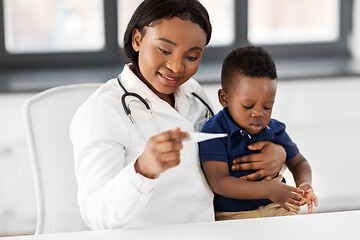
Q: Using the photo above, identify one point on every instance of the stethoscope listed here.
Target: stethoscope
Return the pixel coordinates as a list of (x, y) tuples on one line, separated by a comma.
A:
[(148, 109)]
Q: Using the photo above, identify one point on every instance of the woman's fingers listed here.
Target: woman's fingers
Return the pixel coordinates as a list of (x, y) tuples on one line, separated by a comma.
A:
[(258, 145), (246, 166), (174, 134), (265, 179), (254, 176), (169, 146), (246, 159), (170, 156), (161, 152)]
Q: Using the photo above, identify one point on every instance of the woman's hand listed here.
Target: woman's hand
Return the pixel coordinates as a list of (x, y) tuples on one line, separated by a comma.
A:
[(161, 152), (268, 162), (282, 194)]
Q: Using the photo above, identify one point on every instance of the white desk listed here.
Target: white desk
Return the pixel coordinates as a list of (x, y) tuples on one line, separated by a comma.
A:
[(338, 225)]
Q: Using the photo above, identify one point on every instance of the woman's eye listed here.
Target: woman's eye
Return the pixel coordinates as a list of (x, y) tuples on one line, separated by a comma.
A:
[(191, 58), (248, 107), (163, 51)]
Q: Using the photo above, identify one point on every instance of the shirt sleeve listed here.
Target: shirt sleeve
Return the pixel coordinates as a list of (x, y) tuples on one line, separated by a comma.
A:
[(215, 149), (283, 139), (110, 193)]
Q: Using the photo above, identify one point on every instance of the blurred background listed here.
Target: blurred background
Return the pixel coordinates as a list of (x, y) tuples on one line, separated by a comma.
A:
[(315, 44)]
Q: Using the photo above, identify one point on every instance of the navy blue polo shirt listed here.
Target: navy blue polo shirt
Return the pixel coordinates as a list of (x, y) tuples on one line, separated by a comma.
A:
[(235, 145)]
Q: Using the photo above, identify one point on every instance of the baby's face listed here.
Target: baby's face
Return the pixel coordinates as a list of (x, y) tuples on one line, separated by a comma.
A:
[(250, 102)]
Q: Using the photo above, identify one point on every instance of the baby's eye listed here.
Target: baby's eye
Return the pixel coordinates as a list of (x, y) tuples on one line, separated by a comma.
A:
[(191, 58), (248, 107), (267, 108), (163, 51)]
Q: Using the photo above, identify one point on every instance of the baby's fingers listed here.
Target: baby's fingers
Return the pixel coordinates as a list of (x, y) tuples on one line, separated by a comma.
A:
[(315, 200), (295, 190), (310, 206)]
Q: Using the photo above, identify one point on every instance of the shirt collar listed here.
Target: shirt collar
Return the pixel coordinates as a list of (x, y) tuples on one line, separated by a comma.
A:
[(234, 128)]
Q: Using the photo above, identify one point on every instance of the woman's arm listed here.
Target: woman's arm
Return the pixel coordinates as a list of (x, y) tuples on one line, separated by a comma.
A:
[(268, 162), (109, 192), (217, 175), (107, 196)]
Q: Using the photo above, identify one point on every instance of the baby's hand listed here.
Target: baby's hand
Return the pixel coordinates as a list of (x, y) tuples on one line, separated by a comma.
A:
[(283, 194), (309, 196)]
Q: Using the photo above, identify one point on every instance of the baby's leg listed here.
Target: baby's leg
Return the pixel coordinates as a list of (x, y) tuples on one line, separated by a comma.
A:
[(219, 216), (274, 209)]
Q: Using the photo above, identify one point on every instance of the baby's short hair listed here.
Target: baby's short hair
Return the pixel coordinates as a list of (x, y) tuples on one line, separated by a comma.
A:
[(250, 61)]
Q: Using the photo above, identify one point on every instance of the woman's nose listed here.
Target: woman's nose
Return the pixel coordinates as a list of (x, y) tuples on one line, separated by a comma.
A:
[(175, 64)]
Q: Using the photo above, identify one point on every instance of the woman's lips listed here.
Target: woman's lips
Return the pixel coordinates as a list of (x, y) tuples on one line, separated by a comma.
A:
[(171, 80)]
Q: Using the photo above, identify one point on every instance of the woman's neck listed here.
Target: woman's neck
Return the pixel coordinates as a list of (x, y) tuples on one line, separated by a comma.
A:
[(169, 98)]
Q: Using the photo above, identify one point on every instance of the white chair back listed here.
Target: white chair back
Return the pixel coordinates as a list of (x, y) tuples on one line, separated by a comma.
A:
[(47, 120)]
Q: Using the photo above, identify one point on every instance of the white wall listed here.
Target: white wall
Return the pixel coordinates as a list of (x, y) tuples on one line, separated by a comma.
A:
[(17, 196), (355, 38)]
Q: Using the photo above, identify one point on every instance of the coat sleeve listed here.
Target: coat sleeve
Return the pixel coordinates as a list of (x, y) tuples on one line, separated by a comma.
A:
[(107, 194)]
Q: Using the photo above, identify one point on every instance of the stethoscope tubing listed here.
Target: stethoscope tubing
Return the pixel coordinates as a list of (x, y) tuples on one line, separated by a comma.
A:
[(128, 111)]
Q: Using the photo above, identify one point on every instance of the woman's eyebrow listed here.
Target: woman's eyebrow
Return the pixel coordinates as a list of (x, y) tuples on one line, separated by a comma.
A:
[(174, 44), (167, 40)]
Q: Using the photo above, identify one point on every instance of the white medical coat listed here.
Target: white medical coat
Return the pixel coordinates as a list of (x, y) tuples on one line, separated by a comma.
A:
[(106, 146)]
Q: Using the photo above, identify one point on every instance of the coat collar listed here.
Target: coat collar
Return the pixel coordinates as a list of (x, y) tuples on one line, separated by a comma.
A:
[(133, 84)]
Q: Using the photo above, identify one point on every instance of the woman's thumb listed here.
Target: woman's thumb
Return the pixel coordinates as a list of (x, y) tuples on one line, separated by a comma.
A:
[(257, 145), (279, 177)]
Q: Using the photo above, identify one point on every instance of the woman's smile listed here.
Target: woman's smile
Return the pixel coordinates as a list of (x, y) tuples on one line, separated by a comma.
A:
[(169, 79)]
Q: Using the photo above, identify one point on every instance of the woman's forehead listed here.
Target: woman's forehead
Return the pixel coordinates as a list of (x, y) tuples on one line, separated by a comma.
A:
[(178, 31)]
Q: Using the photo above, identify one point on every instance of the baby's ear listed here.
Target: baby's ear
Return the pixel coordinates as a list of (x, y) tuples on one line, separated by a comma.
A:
[(223, 97)]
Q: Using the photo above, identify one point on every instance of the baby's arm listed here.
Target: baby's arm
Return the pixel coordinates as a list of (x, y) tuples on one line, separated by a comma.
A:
[(301, 171), (220, 181)]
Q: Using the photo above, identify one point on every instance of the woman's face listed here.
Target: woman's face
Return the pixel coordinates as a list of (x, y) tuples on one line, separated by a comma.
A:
[(169, 54)]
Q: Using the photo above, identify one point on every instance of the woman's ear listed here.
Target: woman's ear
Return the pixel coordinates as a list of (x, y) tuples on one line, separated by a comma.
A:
[(136, 39), (223, 97)]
